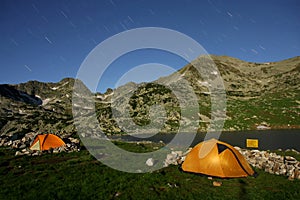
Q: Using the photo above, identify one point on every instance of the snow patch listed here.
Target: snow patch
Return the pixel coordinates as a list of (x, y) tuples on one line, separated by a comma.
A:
[(55, 88), (87, 108)]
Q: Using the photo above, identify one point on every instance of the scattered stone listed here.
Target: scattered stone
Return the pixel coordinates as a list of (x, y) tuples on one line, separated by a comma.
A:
[(22, 146), (55, 151), (209, 178), (176, 157), (150, 162), (74, 140), (24, 150), (290, 178), (18, 153), (217, 183), (269, 162), (9, 143), (117, 194), (35, 154), (237, 148), (273, 163)]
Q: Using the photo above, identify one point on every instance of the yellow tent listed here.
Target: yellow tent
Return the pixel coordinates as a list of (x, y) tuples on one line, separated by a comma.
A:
[(216, 158), (46, 142)]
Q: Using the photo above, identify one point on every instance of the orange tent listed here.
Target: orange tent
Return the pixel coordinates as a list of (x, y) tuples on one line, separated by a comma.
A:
[(216, 158), (46, 142)]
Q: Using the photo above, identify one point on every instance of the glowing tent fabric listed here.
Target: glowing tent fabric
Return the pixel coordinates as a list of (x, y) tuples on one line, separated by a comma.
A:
[(216, 158), (46, 141)]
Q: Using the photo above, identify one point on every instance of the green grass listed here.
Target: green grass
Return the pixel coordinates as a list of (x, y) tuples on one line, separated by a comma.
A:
[(277, 110), (79, 176)]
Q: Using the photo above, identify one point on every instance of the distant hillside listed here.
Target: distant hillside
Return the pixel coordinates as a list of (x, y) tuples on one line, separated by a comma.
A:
[(263, 95)]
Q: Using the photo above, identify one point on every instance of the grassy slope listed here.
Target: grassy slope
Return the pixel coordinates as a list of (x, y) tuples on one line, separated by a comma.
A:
[(276, 109), (80, 176)]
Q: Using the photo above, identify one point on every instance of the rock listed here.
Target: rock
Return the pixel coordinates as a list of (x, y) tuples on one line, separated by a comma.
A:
[(290, 160), (18, 153), (9, 143), (55, 151), (296, 173), (295, 151), (217, 183), (276, 168), (282, 171), (290, 178), (237, 148), (35, 153), (177, 153), (117, 194), (290, 167), (24, 150), (183, 159), (24, 139), (209, 178), (74, 140), (272, 163), (150, 162), (2, 142), (187, 152), (22, 146)]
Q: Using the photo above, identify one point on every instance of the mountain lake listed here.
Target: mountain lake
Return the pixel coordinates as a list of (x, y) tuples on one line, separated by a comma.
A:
[(267, 139)]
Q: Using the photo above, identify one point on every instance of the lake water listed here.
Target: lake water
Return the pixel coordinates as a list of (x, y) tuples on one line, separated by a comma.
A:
[(268, 139)]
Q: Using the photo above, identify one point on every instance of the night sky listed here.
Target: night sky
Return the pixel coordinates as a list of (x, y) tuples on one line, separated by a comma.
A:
[(48, 40)]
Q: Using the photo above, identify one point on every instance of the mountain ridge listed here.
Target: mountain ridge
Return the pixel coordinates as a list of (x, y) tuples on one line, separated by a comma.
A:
[(269, 89)]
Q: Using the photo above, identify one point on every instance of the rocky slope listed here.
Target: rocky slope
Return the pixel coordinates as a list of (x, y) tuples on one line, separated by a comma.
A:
[(259, 95), (36, 107)]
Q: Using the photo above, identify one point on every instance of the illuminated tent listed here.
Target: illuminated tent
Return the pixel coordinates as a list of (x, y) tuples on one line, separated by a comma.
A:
[(46, 142), (216, 158)]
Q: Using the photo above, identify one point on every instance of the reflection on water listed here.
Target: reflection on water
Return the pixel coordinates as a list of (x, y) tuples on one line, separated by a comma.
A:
[(268, 139)]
